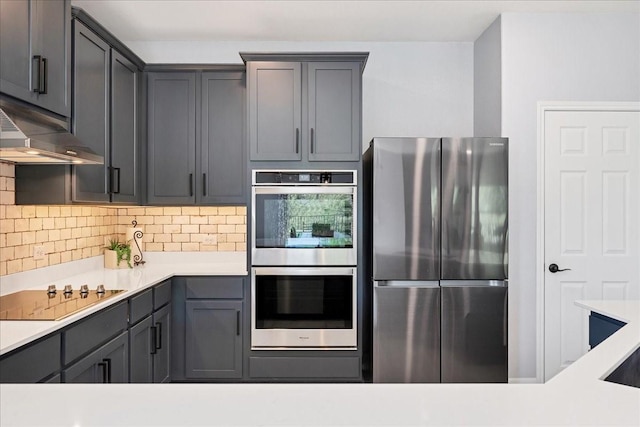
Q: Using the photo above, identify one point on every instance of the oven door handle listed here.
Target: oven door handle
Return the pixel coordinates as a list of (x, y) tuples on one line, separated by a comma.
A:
[(305, 189)]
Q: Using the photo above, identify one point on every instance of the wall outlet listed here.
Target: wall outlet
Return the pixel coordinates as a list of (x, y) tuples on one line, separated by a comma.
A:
[(38, 252), (210, 239)]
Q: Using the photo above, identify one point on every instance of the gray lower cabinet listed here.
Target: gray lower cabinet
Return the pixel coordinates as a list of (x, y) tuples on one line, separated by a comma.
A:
[(33, 363), (141, 348), (105, 106), (150, 338), (35, 46), (107, 364), (308, 110), (213, 339), (162, 345), (196, 141)]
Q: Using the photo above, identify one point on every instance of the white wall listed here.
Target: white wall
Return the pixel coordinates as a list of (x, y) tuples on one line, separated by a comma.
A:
[(487, 81), (409, 89), (552, 57)]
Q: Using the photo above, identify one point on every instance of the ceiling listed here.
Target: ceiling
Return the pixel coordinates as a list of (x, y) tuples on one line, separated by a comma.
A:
[(316, 20)]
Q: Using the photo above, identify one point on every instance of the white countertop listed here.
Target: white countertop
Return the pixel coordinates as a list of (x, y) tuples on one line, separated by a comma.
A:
[(576, 396), (159, 267)]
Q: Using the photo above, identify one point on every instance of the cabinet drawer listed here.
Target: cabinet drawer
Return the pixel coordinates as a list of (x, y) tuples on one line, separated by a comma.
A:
[(32, 364), (304, 367), (223, 287), (161, 294), (90, 333), (140, 306)]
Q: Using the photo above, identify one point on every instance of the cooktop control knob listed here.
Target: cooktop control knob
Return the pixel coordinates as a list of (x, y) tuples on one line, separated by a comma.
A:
[(68, 289), (51, 290), (84, 290), (100, 290)]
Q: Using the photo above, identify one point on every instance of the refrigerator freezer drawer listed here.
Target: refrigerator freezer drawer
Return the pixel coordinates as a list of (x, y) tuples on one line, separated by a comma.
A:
[(406, 336), (474, 334)]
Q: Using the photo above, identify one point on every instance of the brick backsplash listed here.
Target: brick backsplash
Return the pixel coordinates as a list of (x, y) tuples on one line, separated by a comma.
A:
[(70, 233)]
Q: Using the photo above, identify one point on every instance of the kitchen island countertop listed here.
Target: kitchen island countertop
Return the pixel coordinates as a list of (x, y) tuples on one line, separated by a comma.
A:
[(576, 396)]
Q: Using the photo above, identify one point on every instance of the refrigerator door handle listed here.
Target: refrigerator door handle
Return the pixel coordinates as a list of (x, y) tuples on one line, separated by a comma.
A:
[(406, 284)]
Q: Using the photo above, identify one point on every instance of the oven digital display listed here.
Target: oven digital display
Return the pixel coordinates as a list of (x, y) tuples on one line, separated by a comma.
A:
[(304, 177)]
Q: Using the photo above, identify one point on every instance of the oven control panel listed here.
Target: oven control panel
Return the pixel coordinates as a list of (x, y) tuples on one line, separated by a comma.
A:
[(263, 177)]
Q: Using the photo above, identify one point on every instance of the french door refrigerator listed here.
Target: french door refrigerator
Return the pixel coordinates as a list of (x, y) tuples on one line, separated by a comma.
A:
[(437, 240)]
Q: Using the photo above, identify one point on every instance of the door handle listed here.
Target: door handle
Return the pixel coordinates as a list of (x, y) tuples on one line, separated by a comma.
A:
[(238, 323), (103, 366), (297, 140), (555, 269), (190, 185)]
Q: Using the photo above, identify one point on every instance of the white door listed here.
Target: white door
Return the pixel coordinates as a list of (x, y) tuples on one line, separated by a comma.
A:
[(592, 188)]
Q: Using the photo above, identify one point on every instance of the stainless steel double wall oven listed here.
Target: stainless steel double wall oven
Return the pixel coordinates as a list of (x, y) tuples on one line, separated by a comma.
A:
[(304, 256)]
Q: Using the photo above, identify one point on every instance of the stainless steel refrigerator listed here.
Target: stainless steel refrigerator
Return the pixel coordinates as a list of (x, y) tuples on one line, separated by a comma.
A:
[(437, 215)]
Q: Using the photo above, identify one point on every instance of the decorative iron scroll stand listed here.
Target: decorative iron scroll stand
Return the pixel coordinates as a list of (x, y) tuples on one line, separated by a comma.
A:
[(137, 258)]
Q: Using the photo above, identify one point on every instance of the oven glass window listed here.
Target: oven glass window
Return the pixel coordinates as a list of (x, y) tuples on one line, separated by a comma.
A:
[(304, 220), (304, 302)]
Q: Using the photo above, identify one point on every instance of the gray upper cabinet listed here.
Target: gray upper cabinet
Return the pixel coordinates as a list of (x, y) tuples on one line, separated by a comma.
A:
[(334, 111), (105, 102), (35, 41), (223, 148), (304, 111), (196, 137), (275, 110), (124, 173), (171, 116), (91, 111)]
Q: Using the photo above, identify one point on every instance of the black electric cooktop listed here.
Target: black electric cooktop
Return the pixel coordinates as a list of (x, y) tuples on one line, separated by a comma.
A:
[(51, 304)]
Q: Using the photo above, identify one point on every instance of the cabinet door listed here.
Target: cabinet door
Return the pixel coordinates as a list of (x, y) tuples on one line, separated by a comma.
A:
[(51, 38), (161, 357), (222, 160), (275, 128), (213, 339), (334, 111), (171, 110), (15, 49), (140, 352), (107, 364), (91, 112), (124, 130)]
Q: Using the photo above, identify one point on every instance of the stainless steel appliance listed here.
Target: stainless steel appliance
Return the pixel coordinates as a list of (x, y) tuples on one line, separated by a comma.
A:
[(303, 308), (437, 230), (303, 218), (30, 136), (51, 304)]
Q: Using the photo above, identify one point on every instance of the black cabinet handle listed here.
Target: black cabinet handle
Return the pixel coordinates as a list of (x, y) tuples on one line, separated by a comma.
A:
[(103, 367), (312, 140), (204, 184), (555, 269), (191, 185), (238, 323), (297, 140), (43, 76), (158, 335), (108, 363), (114, 180), (36, 73), (154, 339), (117, 170)]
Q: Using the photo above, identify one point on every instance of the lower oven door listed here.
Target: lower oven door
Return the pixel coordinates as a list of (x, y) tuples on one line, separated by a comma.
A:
[(303, 308)]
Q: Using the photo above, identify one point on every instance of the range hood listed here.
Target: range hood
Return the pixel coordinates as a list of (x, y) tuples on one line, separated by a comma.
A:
[(28, 136)]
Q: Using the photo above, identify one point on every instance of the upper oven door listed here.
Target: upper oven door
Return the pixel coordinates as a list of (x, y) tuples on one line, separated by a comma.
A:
[(303, 225)]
